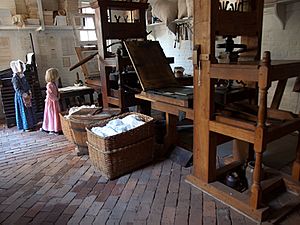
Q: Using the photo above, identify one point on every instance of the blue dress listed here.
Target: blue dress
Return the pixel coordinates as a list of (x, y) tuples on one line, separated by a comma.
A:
[(25, 116)]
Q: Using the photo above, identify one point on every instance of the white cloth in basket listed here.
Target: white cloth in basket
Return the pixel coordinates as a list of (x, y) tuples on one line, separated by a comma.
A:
[(77, 108), (118, 126)]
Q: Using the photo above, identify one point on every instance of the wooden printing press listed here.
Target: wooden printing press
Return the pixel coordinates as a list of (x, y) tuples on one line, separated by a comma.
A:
[(116, 21), (271, 194), (145, 76), (117, 82), (165, 93)]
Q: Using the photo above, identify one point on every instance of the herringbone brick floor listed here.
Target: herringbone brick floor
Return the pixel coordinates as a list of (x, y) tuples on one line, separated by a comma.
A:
[(43, 181)]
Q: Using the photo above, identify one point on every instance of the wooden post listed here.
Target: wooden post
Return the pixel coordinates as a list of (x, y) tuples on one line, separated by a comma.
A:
[(296, 164), (171, 134), (256, 187), (204, 148), (260, 131)]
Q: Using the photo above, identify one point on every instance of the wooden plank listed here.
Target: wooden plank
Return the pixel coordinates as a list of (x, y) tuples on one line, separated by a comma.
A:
[(279, 131), (292, 185), (272, 113), (227, 195), (281, 115), (236, 122), (284, 69), (239, 72), (232, 131), (79, 52), (271, 185), (113, 100), (278, 94), (156, 97), (126, 31), (234, 23), (173, 109)]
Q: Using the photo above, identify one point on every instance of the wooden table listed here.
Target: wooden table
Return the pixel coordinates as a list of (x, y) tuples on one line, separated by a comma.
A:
[(173, 107), (72, 91), (181, 106)]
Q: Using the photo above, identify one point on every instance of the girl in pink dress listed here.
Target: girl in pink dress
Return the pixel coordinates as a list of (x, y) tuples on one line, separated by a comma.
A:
[(51, 121)]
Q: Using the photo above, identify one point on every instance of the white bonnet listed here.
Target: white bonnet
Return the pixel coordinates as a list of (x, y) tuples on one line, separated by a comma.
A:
[(15, 66)]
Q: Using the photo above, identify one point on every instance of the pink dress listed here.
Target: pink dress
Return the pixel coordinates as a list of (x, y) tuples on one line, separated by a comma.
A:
[(51, 120)]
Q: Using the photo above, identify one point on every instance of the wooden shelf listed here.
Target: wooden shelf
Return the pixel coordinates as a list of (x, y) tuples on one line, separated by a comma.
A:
[(36, 27), (27, 27), (50, 27)]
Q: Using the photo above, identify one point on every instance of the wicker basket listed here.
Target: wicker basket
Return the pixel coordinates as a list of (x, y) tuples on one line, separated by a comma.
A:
[(122, 153), (117, 162), (123, 139), (66, 127)]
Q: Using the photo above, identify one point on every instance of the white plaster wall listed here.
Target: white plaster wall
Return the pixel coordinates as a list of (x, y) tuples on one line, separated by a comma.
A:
[(50, 48), (283, 44), (182, 53)]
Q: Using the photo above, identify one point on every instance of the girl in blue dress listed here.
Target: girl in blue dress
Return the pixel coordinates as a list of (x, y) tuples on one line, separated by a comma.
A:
[(25, 116)]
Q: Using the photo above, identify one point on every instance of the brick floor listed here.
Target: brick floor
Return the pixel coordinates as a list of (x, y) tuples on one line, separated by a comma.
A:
[(43, 181)]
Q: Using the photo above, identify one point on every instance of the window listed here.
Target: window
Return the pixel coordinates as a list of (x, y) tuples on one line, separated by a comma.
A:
[(87, 32)]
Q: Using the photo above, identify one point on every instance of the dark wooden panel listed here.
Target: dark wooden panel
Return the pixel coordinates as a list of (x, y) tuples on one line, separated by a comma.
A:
[(8, 93), (151, 65)]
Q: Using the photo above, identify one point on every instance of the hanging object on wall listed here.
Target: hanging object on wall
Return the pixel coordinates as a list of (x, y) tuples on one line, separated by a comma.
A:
[(183, 31), (166, 11), (19, 20)]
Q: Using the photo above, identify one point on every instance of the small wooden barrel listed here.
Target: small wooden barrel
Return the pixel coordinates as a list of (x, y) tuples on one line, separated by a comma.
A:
[(79, 122), (65, 125)]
